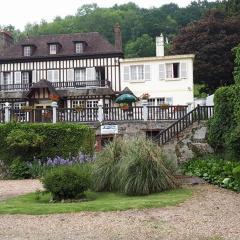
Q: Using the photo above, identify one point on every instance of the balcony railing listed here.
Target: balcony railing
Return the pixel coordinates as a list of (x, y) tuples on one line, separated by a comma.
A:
[(73, 84)]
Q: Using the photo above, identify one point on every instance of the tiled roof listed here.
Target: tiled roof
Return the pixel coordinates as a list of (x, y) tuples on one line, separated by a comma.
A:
[(95, 45)]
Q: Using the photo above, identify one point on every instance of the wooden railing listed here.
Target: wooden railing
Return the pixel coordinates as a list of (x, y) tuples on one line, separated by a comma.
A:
[(118, 114), (166, 113), (74, 115), (72, 84), (32, 115), (196, 115)]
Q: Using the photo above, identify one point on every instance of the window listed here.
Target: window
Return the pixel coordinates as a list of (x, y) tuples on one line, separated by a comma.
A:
[(53, 75), (79, 47), (172, 70), (159, 101), (6, 78), (137, 72), (27, 51), (19, 105), (53, 49), (25, 77), (76, 103), (80, 74)]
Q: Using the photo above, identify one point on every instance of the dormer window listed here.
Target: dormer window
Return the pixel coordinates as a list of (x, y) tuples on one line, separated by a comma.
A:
[(53, 49), (79, 47), (27, 51)]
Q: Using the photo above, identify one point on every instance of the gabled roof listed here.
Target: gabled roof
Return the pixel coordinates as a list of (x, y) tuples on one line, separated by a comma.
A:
[(95, 45), (42, 84)]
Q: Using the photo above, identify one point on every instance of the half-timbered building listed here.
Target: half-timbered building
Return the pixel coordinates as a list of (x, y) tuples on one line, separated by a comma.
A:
[(74, 69)]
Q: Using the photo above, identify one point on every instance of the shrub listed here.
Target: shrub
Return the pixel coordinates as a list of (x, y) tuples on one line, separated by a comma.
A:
[(216, 171), (19, 170), (135, 167), (67, 182), (43, 140)]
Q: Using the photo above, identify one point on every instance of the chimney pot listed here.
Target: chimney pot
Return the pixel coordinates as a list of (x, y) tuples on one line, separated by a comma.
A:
[(6, 40)]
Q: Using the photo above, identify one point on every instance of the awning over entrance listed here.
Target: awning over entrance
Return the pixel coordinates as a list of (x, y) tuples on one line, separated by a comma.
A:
[(43, 90)]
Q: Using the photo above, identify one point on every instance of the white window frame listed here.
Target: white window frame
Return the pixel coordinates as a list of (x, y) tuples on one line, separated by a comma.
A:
[(53, 75), (27, 51), (53, 49), (80, 74), (6, 78), (170, 71), (24, 77), (79, 47)]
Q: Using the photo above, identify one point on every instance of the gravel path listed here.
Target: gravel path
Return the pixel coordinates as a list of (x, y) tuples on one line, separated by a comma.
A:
[(211, 214)]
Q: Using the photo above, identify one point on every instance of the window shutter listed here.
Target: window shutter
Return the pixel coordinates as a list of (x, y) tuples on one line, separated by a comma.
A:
[(56, 76), (161, 71), (50, 75), (10, 80), (34, 76), (17, 78), (90, 74), (126, 73), (147, 72), (1, 78), (183, 70), (70, 75)]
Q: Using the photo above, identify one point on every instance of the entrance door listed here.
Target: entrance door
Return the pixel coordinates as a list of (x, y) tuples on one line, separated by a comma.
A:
[(43, 113)]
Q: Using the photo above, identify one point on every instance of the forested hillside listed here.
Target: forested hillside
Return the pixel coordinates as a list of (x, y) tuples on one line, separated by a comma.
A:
[(139, 25)]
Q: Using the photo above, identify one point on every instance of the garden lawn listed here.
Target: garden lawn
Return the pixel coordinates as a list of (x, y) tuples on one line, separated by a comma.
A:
[(35, 204)]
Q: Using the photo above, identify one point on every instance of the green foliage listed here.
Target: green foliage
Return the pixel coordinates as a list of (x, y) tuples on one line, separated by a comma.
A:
[(211, 39), (19, 170), (224, 127), (236, 51), (135, 21), (68, 182), (27, 141), (24, 143), (135, 167), (142, 47), (216, 171)]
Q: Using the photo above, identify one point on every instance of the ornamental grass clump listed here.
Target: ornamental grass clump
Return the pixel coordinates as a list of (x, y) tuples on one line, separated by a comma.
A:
[(106, 167), (144, 170), (133, 167)]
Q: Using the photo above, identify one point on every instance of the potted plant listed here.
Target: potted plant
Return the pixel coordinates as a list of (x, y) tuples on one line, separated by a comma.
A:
[(124, 106), (54, 97), (145, 96), (164, 106), (79, 108), (27, 108)]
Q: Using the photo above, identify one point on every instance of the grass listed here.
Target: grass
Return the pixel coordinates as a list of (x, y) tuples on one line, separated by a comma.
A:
[(32, 204)]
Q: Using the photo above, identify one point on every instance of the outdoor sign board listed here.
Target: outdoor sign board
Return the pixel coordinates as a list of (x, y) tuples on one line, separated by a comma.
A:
[(109, 129)]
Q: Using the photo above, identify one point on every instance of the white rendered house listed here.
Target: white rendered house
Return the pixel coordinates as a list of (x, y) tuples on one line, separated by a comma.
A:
[(168, 79)]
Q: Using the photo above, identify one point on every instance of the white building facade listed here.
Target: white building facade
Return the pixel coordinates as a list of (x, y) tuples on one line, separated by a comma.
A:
[(167, 79)]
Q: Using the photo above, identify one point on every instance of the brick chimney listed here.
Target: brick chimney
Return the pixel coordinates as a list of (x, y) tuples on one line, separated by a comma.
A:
[(118, 37), (6, 40)]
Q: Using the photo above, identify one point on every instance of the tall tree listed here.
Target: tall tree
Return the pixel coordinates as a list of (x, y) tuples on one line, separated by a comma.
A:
[(211, 39)]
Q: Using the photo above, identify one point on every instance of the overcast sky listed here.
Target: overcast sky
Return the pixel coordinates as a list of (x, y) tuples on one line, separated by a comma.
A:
[(21, 12)]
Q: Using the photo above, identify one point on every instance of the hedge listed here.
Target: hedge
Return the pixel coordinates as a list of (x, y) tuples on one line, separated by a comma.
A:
[(61, 139)]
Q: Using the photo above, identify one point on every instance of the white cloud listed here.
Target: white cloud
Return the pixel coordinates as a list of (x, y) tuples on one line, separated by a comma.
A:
[(21, 12)]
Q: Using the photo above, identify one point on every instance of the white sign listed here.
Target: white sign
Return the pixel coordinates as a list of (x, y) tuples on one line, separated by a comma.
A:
[(109, 129)]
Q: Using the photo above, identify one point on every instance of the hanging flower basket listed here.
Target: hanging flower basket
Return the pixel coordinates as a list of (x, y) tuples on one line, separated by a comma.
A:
[(26, 108), (54, 97), (124, 106), (145, 96), (79, 108), (164, 106)]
